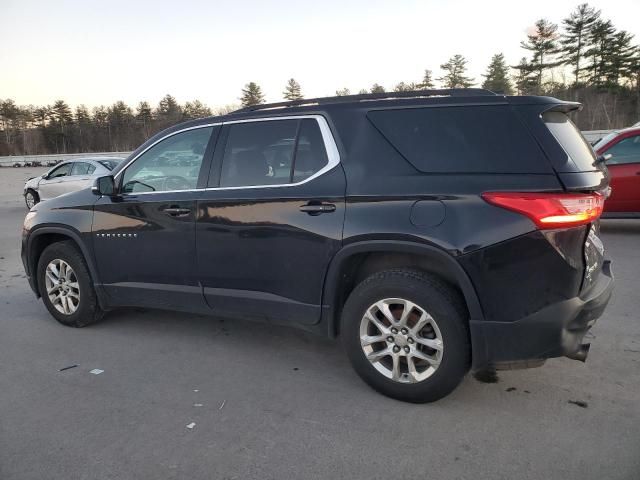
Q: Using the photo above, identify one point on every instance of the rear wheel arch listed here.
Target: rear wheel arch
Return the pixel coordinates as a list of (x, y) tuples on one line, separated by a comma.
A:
[(357, 261)]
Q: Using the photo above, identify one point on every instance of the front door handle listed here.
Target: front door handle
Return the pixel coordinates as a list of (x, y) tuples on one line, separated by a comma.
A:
[(318, 208), (177, 212)]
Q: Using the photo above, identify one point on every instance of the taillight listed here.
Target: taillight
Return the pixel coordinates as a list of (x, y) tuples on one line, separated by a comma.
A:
[(551, 210)]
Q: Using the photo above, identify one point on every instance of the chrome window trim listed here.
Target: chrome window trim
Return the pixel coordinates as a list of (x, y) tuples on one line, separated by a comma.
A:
[(333, 155)]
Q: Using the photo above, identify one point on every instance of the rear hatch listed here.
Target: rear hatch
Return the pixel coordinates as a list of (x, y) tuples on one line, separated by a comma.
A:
[(584, 178)]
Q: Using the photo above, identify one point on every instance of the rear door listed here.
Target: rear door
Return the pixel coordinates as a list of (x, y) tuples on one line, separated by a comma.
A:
[(624, 168), (79, 178), (271, 219)]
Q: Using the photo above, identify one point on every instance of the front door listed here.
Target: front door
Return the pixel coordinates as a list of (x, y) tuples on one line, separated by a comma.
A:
[(271, 220), (53, 185), (624, 169), (144, 237)]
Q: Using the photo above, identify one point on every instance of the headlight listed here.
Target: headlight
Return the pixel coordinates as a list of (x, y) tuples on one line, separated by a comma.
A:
[(29, 217)]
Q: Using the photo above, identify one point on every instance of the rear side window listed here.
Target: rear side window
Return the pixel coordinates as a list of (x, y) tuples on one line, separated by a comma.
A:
[(570, 139), (82, 168), (470, 139), (273, 152)]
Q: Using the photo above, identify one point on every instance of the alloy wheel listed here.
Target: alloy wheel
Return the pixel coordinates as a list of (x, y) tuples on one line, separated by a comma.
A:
[(62, 286), (30, 199), (401, 340)]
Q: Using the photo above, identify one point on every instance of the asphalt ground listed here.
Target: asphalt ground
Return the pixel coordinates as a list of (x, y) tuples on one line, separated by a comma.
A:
[(275, 403)]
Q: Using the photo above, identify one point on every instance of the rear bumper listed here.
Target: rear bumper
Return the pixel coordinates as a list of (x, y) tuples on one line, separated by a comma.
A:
[(554, 331)]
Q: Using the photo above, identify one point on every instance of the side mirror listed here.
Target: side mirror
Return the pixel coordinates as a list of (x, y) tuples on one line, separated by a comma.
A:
[(104, 186)]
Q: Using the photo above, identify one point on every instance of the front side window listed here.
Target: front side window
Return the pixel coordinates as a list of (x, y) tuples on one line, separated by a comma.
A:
[(625, 151), (172, 164), (61, 171), (273, 152)]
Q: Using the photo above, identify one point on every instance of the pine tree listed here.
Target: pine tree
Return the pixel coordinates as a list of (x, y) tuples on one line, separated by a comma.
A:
[(343, 92), (575, 39), (169, 111), (363, 91), (405, 87), (144, 116), (61, 118), (195, 109), (251, 95), (427, 81), (601, 40), (376, 88), (622, 56), (525, 78), (292, 91), (455, 69), (497, 76), (544, 46), (83, 125)]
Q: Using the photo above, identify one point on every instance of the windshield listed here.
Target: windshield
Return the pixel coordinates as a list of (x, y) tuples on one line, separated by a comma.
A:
[(604, 140)]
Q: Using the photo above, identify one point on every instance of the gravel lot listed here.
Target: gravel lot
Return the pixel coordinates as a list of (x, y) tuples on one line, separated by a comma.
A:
[(272, 402)]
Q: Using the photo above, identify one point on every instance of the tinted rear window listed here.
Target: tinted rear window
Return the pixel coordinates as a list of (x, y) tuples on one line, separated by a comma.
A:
[(470, 139), (571, 140)]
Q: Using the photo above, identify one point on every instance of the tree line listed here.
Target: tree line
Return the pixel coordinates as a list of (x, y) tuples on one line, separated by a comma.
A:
[(585, 59)]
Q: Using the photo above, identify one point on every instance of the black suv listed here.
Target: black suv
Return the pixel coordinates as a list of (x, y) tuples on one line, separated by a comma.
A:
[(433, 231)]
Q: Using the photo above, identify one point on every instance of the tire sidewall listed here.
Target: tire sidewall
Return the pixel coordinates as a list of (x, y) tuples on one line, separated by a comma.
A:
[(449, 318), (85, 311)]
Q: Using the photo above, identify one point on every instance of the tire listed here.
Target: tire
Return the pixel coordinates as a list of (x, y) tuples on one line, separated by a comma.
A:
[(87, 310), (436, 306), (34, 195)]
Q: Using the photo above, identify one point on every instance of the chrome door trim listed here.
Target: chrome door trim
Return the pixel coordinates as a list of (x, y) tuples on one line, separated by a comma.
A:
[(333, 155)]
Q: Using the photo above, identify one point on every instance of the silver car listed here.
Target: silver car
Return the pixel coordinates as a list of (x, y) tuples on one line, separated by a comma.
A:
[(67, 177)]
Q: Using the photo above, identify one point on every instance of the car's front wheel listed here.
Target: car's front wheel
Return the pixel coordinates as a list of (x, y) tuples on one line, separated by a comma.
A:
[(31, 198), (66, 287), (406, 335)]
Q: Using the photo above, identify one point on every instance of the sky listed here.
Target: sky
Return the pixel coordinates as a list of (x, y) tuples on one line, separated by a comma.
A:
[(93, 53)]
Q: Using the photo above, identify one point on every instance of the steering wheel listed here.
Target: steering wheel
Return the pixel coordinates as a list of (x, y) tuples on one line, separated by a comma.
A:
[(175, 182)]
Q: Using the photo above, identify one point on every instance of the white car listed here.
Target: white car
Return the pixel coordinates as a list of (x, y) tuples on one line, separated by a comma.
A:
[(67, 177)]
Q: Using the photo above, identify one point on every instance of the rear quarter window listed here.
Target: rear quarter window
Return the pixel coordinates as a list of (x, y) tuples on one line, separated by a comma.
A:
[(570, 139), (469, 139)]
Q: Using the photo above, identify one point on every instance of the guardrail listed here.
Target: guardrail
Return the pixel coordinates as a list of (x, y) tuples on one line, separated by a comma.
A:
[(21, 160)]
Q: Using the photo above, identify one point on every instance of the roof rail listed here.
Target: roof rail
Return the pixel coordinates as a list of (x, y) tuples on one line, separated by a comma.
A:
[(445, 92)]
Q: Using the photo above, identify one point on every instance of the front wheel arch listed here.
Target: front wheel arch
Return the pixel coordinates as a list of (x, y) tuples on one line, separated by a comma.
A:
[(42, 237)]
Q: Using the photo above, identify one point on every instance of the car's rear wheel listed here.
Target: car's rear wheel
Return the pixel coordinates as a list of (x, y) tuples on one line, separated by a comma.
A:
[(406, 335), (66, 287), (31, 198)]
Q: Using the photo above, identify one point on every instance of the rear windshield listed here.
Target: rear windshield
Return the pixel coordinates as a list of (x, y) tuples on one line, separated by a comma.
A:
[(571, 140), (109, 164), (469, 139)]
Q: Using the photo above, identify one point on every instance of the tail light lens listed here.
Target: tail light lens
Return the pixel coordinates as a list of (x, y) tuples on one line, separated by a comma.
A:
[(551, 210)]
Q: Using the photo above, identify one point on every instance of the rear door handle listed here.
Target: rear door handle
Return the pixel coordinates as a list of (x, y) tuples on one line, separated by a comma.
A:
[(177, 212), (318, 208)]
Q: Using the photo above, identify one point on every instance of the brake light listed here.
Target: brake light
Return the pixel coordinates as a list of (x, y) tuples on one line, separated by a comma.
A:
[(551, 210)]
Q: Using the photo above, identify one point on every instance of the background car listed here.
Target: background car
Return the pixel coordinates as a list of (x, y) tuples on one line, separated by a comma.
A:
[(67, 177), (624, 168)]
